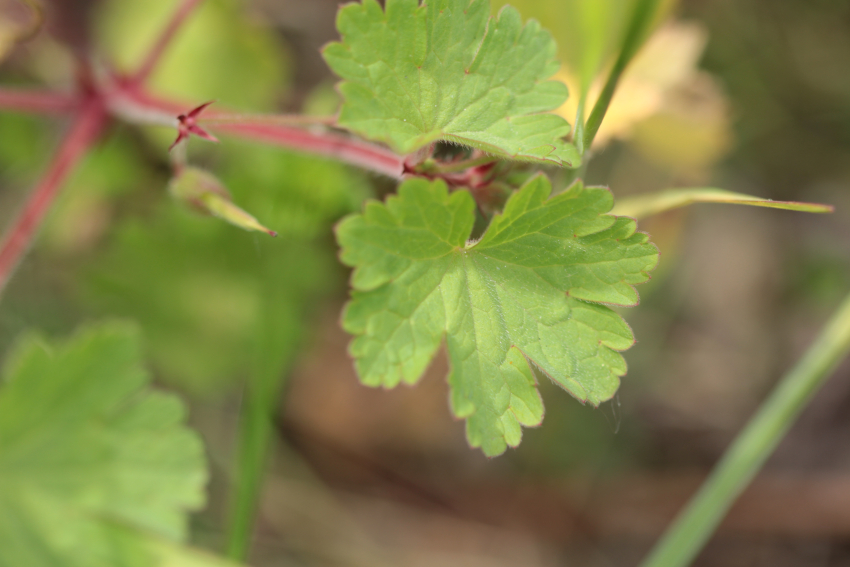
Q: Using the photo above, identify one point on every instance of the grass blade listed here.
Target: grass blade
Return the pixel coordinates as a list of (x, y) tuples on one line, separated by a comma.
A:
[(692, 529), (654, 203)]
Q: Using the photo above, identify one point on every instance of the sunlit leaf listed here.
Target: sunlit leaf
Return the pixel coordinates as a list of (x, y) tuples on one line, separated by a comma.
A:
[(445, 70), (587, 31)]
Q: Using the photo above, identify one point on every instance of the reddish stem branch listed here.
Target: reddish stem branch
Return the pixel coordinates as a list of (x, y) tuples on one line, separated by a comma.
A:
[(216, 117), (155, 54), (143, 103), (83, 133), (273, 130), (37, 101), (361, 154)]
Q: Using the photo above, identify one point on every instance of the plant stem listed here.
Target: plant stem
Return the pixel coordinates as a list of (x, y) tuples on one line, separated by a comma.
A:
[(638, 24), (255, 429), (84, 131), (578, 131), (278, 339), (184, 10), (361, 154), (37, 102), (136, 105), (212, 117), (690, 531)]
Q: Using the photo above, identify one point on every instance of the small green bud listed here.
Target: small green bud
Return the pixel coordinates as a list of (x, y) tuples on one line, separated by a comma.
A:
[(204, 193)]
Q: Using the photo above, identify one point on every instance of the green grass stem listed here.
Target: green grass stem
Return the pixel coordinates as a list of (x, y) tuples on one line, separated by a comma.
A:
[(277, 341), (695, 524), (642, 17)]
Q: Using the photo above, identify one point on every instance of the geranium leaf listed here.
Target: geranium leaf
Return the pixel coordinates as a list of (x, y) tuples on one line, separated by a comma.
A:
[(446, 70), (529, 291)]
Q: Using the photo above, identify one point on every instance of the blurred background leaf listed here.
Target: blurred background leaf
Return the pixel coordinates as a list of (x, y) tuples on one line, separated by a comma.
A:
[(199, 286), (223, 53), (588, 32), (92, 460)]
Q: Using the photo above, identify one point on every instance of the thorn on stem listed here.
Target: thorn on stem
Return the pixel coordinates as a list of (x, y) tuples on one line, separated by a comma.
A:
[(187, 124)]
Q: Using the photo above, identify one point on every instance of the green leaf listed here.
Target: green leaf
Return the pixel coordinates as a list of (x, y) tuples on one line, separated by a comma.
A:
[(92, 462), (521, 294), (447, 71)]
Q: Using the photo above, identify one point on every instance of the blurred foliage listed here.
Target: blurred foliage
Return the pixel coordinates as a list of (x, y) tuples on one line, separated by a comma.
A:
[(7, 36), (784, 64), (21, 133), (220, 54), (93, 462), (676, 115), (19, 20), (588, 32), (83, 214), (200, 288)]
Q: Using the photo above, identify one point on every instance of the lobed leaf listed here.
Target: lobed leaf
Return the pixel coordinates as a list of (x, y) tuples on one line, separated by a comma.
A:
[(446, 70), (527, 292), (92, 462)]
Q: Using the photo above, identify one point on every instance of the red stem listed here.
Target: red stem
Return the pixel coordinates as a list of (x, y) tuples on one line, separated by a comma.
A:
[(361, 154), (214, 117), (155, 54), (84, 131), (269, 130), (37, 101)]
